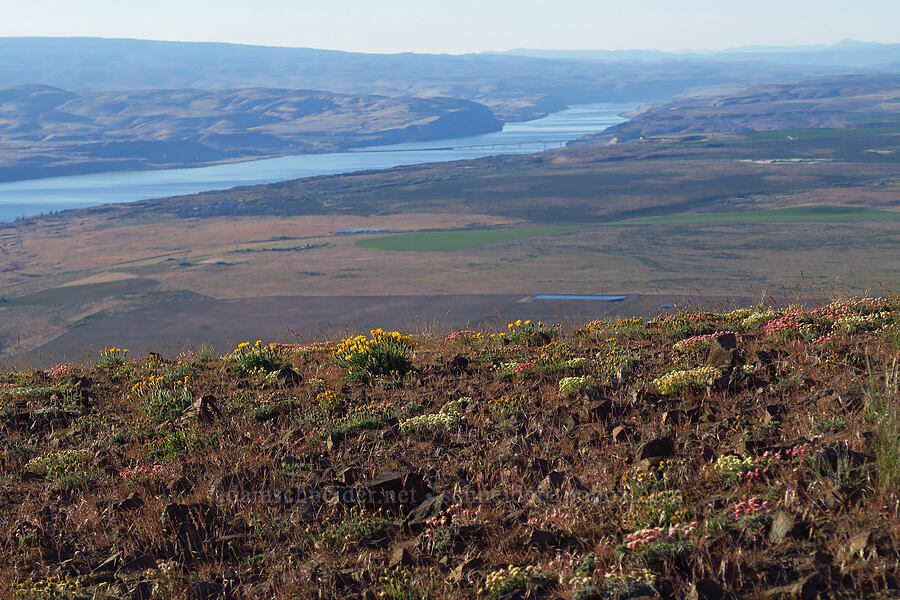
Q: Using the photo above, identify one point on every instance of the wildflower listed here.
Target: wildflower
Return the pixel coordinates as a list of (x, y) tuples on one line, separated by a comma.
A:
[(700, 340), (651, 535), (675, 381), (465, 334), (60, 370), (570, 385), (750, 507)]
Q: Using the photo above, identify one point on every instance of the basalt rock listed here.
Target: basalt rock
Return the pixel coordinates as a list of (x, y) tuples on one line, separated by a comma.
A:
[(658, 448), (393, 490), (194, 528)]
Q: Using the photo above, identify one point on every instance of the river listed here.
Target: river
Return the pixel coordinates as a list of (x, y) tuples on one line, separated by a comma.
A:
[(35, 196)]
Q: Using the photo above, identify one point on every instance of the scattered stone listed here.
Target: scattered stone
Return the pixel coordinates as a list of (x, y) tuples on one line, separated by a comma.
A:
[(208, 590), (142, 591), (394, 489), (660, 447), (806, 588), (553, 481), (288, 377), (543, 539), (599, 410), (132, 501), (204, 410), (720, 356), (180, 485), (537, 339), (706, 589), (621, 433), (348, 476), (843, 459), (541, 466), (458, 364), (193, 527), (859, 542), (401, 557), (782, 525), (428, 509)]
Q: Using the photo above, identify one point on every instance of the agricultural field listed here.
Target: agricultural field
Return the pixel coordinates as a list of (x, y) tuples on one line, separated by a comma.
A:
[(742, 452), (719, 221), (798, 214), (448, 241)]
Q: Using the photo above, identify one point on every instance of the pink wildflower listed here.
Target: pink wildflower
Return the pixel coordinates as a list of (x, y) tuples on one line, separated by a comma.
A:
[(60, 370)]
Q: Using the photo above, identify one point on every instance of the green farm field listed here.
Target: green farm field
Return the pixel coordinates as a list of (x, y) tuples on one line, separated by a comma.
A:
[(446, 241), (795, 214)]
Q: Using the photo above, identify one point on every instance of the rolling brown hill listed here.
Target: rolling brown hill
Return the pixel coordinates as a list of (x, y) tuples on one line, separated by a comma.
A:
[(49, 131)]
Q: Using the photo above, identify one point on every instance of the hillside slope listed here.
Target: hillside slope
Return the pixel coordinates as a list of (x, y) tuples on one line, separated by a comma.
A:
[(49, 131), (848, 102), (745, 453)]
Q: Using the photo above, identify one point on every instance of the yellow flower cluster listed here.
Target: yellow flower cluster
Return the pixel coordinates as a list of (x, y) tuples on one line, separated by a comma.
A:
[(636, 479), (631, 321), (503, 401), (519, 323), (147, 386), (112, 351), (245, 348), (668, 469), (658, 509), (329, 398), (59, 463), (351, 347), (570, 385), (508, 579), (369, 409), (675, 381), (449, 416), (52, 587)]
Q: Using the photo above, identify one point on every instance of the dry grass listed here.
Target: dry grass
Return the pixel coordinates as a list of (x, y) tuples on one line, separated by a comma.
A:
[(552, 482)]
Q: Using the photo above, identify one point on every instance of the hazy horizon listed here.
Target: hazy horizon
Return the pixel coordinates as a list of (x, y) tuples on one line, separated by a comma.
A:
[(697, 50), (466, 26)]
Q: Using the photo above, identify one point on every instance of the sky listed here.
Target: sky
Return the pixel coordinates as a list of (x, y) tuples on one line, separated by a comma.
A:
[(460, 26)]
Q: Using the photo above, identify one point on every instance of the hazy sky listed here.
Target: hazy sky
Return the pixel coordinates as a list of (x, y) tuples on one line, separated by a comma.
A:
[(463, 25)]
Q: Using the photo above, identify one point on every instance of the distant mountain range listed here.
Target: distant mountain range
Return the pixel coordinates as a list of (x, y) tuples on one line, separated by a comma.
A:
[(62, 110), (516, 85), (848, 53)]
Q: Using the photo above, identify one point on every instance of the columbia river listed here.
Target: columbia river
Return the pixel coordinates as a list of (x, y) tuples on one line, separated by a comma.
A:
[(36, 196)]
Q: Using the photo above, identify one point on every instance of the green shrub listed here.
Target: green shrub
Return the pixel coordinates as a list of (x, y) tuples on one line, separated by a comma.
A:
[(256, 359), (386, 353)]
